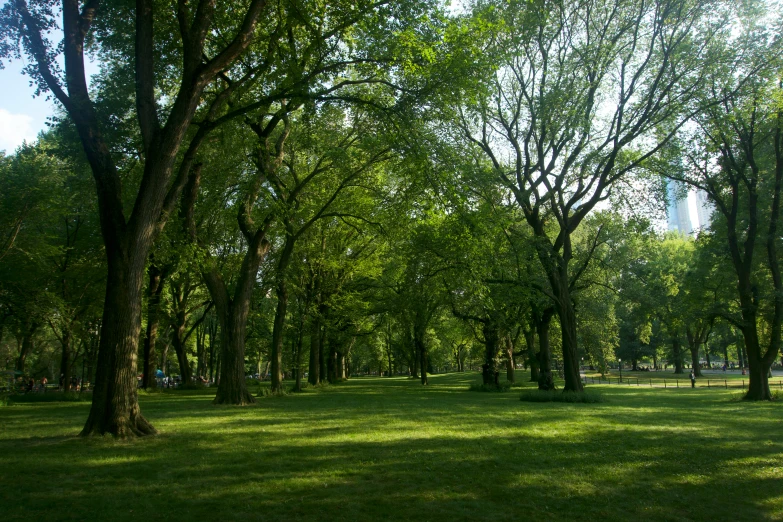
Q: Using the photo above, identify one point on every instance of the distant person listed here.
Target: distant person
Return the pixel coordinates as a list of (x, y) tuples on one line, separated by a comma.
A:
[(693, 379), (30, 384)]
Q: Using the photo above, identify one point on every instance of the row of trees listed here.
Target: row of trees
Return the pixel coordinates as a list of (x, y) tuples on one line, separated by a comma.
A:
[(354, 168)]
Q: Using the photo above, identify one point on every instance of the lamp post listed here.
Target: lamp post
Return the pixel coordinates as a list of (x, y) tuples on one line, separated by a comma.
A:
[(620, 365)]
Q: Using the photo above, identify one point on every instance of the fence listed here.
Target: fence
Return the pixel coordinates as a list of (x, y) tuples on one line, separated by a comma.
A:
[(675, 383)]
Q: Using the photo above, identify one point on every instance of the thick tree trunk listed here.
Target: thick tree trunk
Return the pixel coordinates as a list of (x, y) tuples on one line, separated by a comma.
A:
[(677, 351), (177, 340), (421, 351), (694, 349), (154, 291), (232, 388), (758, 369), (695, 341), (546, 380), (115, 407), (331, 360), (277, 336), (232, 314), (567, 314), (531, 355), (314, 376), (27, 345), (489, 371)]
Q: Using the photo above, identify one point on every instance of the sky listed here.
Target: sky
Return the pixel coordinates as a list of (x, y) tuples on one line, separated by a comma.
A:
[(22, 117)]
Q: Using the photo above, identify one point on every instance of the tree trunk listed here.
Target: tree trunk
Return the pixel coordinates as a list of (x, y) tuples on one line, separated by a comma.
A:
[(510, 375), (115, 407), (758, 369), (314, 376), (546, 381), (531, 355), (419, 331), (65, 359), (567, 314), (694, 343), (694, 349), (177, 340), (232, 313), (27, 345), (341, 366), (277, 336), (232, 388), (154, 291), (331, 360), (322, 354), (201, 352), (677, 351), (489, 372), (299, 346)]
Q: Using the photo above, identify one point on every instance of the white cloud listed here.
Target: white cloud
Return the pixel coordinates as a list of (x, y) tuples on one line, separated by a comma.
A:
[(14, 129)]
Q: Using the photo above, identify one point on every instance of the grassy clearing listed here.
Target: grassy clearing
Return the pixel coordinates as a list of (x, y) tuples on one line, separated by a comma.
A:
[(390, 449)]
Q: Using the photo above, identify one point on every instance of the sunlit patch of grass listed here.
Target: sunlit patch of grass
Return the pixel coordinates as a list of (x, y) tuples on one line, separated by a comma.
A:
[(388, 448)]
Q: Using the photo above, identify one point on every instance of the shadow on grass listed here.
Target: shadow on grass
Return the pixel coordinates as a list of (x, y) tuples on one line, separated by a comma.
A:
[(403, 452)]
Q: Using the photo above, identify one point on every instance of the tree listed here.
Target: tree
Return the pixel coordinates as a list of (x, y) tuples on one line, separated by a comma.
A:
[(734, 153), (578, 85), (207, 51)]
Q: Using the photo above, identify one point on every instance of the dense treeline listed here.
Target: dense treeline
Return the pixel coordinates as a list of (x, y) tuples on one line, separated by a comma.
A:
[(309, 190)]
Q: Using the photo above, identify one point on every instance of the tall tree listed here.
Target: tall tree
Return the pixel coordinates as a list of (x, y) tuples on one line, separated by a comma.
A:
[(577, 86), (207, 50)]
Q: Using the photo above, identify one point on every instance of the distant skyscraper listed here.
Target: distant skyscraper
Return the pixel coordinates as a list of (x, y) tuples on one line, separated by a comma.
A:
[(677, 208)]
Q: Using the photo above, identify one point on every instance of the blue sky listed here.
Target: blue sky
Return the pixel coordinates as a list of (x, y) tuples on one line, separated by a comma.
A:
[(21, 115)]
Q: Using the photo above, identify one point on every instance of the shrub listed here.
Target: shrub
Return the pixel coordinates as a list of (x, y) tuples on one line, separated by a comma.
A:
[(566, 396), (502, 387)]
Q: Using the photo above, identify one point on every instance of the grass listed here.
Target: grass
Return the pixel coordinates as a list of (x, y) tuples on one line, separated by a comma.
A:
[(587, 396), (670, 379), (390, 449)]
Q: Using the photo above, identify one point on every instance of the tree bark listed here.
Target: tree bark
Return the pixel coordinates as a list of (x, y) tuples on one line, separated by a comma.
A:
[(115, 407), (677, 351), (180, 294), (421, 349), (510, 374), (66, 368), (531, 354), (232, 388), (489, 372), (280, 314), (546, 381), (154, 291), (27, 344), (314, 376)]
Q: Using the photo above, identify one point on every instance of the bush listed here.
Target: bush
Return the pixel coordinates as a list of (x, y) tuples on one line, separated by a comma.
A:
[(502, 387), (555, 396), (266, 391)]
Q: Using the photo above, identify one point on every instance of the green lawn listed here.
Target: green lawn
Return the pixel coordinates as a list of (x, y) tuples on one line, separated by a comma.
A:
[(710, 379), (376, 448)]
